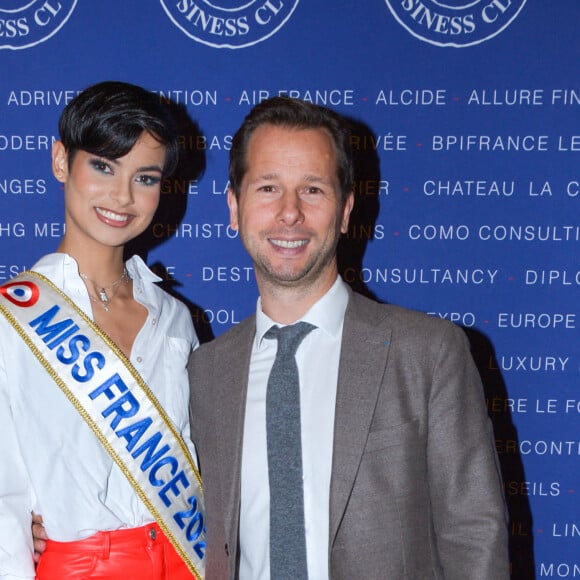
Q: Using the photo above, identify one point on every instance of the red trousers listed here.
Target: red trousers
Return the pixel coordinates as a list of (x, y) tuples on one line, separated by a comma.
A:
[(142, 553)]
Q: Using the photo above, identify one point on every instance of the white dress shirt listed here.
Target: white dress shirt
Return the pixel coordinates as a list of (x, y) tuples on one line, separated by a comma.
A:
[(51, 462), (317, 359)]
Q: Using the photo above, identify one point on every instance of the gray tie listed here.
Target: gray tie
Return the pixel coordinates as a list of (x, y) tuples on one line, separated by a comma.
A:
[(287, 540)]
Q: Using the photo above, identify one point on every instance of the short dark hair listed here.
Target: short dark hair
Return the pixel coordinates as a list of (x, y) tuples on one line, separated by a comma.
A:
[(295, 114), (108, 118)]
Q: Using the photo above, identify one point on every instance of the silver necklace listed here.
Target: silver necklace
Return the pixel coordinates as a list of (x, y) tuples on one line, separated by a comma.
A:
[(104, 299)]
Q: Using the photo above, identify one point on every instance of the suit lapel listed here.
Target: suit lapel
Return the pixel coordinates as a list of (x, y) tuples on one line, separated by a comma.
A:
[(232, 363), (364, 350)]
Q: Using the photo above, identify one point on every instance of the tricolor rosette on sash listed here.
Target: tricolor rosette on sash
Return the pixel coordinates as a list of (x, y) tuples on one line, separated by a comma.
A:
[(113, 399)]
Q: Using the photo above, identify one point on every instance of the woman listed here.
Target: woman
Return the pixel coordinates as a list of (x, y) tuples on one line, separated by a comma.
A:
[(116, 145)]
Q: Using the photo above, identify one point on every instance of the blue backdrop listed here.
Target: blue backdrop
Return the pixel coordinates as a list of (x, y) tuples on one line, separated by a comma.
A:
[(467, 117)]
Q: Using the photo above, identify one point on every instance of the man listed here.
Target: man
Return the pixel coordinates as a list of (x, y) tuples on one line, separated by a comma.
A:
[(400, 477)]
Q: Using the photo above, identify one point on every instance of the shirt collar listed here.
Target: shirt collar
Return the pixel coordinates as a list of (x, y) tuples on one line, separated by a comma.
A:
[(63, 271), (144, 289), (326, 314), (140, 273), (60, 266)]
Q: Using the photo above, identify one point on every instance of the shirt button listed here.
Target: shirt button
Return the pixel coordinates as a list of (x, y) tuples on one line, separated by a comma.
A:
[(152, 533), (154, 322), (139, 359)]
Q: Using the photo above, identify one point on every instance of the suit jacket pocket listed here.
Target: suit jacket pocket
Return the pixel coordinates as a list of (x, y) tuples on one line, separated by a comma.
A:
[(403, 434)]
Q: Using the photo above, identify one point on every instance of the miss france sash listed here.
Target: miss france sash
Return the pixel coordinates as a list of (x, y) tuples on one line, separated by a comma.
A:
[(113, 399)]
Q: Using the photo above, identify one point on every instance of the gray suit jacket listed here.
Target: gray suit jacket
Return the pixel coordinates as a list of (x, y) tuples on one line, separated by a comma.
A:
[(416, 491)]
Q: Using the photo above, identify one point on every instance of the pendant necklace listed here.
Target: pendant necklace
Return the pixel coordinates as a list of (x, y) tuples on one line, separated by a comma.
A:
[(104, 299)]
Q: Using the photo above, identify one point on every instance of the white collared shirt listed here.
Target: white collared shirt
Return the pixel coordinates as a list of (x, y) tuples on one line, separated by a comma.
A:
[(51, 462), (317, 359)]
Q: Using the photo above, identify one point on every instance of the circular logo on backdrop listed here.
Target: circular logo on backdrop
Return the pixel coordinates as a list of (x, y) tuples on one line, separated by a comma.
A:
[(456, 23), (229, 23), (26, 23)]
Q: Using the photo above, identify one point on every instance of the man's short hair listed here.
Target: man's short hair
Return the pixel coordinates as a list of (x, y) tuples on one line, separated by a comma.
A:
[(294, 114)]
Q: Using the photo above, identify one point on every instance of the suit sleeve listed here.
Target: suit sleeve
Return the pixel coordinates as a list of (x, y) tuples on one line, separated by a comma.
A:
[(466, 491)]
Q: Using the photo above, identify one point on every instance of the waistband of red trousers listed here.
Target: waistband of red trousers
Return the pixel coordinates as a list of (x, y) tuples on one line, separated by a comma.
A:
[(142, 536)]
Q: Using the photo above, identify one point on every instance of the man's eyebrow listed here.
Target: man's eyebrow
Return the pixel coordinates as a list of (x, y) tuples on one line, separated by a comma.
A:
[(264, 177), (316, 178)]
